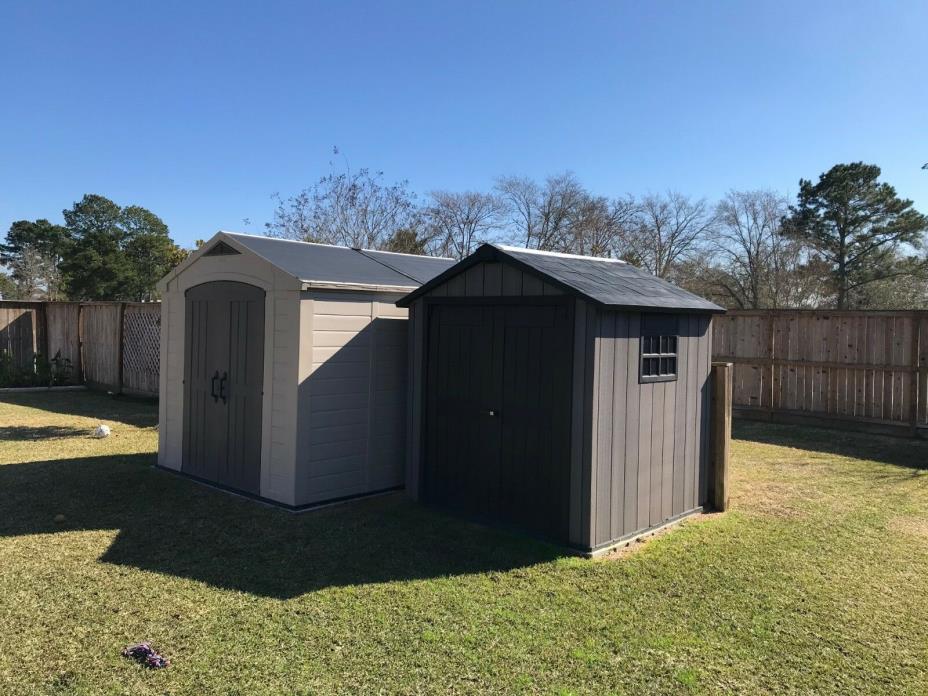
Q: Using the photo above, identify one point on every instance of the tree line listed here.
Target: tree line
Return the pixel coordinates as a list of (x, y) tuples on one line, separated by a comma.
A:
[(846, 241), (103, 252)]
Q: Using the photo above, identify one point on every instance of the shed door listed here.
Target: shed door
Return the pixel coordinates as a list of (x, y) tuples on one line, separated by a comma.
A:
[(498, 414), (223, 384)]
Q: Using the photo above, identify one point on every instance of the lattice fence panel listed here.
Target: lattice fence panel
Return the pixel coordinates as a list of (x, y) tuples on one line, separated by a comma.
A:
[(141, 348)]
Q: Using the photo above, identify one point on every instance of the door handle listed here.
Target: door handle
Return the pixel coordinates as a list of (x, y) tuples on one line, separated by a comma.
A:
[(212, 387), (492, 412), (222, 386)]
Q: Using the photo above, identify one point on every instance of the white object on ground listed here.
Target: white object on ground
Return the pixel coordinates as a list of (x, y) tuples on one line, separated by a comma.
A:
[(101, 431)]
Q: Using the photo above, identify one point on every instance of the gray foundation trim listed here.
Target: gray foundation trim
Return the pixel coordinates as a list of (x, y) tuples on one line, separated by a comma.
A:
[(604, 549), (276, 503)]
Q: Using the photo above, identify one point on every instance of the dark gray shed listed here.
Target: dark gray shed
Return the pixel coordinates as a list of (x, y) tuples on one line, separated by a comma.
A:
[(561, 394)]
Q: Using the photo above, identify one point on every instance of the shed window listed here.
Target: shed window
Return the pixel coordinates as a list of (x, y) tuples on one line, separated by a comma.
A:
[(658, 349)]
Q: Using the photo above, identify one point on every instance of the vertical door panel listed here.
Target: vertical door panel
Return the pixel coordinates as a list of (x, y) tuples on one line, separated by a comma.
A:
[(223, 382), (535, 418), (498, 413), (244, 391), (462, 436), (206, 353)]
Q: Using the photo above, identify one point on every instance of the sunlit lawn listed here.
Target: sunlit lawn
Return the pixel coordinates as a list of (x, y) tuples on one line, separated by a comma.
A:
[(817, 580)]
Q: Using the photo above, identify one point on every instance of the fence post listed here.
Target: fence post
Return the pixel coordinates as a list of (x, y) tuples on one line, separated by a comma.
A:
[(120, 347), (80, 343), (771, 356), (720, 441), (915, 374)]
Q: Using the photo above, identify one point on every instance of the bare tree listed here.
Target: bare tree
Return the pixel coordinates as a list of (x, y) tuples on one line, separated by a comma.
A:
[(599, 224), (701, 275), (458, 222), (747, 237), (353, 209), (540, 216), (760, 267), (666, 231), (519, 196)]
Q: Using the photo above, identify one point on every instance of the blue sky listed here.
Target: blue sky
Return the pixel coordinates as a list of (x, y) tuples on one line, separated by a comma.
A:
[(200, 111)]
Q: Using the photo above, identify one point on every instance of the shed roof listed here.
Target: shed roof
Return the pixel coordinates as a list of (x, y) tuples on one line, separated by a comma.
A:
[(420, 268), (607, 282), (328, 265)]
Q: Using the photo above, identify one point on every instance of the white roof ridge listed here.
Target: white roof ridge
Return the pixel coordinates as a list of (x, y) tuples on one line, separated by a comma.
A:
[(557, 254), (284, 239), (403, 253)]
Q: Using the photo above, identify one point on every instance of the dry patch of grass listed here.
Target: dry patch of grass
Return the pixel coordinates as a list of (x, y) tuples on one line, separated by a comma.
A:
[(908, 524), (787, 500), (639, 543), (813, 583)]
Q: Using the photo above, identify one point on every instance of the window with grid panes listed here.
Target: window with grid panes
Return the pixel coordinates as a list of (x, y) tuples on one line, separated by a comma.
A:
[(658, 348)]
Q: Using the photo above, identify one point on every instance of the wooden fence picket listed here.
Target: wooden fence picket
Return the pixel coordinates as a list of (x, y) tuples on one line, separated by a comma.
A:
[(868, 368)]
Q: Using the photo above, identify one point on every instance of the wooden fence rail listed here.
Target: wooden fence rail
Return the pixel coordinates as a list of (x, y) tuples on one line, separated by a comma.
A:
[(110, 345), (867, 370)]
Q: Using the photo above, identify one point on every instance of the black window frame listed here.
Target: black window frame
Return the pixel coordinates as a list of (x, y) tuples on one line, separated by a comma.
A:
[(658, 348)]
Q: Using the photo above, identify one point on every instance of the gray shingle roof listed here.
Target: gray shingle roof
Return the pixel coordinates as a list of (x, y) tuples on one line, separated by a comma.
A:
[(420, 268), (607, 282), (323, 263)]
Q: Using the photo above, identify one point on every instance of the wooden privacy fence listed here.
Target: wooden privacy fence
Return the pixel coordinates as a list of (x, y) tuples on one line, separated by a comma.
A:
[(111, 345), (868, 370), (19, 332)]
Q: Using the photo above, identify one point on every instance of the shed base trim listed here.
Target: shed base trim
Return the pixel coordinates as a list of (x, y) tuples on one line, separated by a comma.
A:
[(610, 546), (276, 503)]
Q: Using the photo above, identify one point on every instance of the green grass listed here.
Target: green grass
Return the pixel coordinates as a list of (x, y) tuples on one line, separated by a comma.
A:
[(816, 580)]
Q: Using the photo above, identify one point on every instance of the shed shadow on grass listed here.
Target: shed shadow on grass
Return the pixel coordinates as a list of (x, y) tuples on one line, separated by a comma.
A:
[(909, 453), (176, 527), (40, 432), (137, 412)]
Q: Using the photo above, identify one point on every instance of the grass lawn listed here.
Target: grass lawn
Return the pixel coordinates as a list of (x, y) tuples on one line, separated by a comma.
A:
[(816, 580)]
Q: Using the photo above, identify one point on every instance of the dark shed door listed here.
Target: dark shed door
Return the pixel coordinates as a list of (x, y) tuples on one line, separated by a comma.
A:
[(223, 384), (498, 413)]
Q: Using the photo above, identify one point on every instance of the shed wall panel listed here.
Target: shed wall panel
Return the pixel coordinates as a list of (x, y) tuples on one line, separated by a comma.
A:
[(493, 278), (590, 439), (621, 326), (579, 518), (606, 421), (352, 395), (651, 439), (629, 457)]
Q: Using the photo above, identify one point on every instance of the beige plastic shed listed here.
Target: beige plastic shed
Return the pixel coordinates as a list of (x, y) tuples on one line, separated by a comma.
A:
[(283, 367)]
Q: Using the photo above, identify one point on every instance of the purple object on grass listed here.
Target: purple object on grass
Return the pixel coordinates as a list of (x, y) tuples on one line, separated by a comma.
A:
[(144, 654)]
